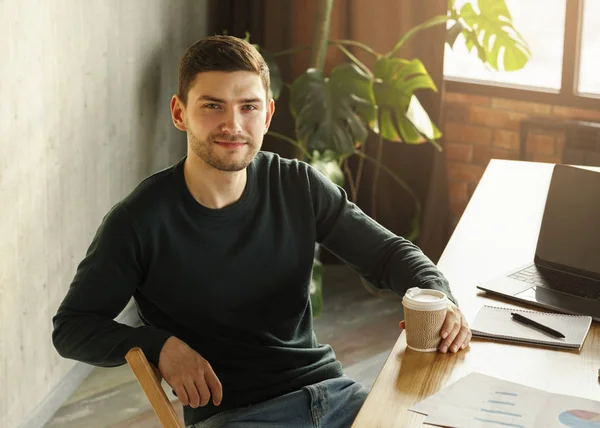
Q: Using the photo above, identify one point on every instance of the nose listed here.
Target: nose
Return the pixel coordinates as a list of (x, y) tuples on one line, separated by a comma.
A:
[(231, 123)]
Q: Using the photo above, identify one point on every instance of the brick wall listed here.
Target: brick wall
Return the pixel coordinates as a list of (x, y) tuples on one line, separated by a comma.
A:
[(479, 128)]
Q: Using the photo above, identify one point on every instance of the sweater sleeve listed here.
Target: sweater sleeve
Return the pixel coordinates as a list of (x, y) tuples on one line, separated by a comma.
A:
[(385, 260), (105, 281)]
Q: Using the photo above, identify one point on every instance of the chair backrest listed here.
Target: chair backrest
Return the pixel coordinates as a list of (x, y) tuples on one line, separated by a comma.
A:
[(151, 386), (582, 144)]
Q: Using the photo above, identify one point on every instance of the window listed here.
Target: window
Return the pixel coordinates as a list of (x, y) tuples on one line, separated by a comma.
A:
[(542, 23), (589, 69), (564, 69)]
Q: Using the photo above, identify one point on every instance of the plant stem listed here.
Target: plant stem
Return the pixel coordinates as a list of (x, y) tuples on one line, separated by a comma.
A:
[(361, 163), (291, 141), (353, 193), (436, 145), (358, 44), (355, 60), (376, 175), (432, 22), (291, 50), (415, 224), (398, 180), (320, 34)]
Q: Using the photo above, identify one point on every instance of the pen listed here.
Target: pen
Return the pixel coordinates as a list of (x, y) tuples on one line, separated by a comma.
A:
[(532, 323)]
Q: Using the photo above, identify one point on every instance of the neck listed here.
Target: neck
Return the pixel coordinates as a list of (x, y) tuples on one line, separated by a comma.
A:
[(210, 187)]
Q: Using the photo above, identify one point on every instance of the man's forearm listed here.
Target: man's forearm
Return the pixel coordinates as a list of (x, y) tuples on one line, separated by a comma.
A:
[(385, 260), (415, 268), (105, 281), (103, 342)]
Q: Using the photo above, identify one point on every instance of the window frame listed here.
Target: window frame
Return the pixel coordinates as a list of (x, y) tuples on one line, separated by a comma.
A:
[(566, 96)]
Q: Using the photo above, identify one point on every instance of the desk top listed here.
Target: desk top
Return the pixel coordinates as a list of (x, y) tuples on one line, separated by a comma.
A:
[(498, 231)]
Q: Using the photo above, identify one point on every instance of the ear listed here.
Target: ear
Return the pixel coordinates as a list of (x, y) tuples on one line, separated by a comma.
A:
[(270, 113), (178, 113)]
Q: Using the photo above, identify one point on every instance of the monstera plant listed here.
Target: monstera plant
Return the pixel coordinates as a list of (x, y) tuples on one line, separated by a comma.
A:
[(335, 113)]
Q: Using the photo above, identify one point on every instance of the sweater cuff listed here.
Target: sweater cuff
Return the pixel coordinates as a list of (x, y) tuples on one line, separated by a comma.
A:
[(151, 340)]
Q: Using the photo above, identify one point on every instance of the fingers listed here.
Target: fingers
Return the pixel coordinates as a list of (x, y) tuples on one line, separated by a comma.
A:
[(215, 385), (402, 324), (196, 391), (453, 332), (203, 391), (468, 339), (449, 324), (192, 393), (461, 339), (181, 394), (190, 376)]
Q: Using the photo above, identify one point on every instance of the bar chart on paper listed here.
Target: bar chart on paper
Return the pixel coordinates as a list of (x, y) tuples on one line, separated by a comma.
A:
[(499, 406), (480, 401)]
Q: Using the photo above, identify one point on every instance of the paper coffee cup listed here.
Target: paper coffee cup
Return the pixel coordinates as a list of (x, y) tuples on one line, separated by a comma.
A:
[(424, 315)]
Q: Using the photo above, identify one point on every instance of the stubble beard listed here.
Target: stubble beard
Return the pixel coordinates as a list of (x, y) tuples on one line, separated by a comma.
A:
[(208, 152)]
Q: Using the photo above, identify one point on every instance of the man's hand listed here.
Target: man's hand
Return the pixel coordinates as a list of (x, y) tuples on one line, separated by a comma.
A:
[(191, 376), (455, 332)]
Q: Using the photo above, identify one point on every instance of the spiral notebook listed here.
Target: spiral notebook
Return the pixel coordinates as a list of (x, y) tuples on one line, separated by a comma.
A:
[(494, 322)]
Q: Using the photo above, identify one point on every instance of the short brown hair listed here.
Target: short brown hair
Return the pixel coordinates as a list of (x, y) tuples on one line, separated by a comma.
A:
[(219, 53)]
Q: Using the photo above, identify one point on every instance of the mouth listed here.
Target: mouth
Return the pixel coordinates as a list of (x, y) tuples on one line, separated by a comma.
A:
[(230, 144)]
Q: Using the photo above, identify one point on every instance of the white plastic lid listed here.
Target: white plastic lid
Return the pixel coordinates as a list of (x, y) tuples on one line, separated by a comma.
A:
[(421, 299)]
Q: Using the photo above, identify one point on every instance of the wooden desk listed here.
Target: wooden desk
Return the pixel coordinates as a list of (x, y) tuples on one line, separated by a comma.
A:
[(497, 232)]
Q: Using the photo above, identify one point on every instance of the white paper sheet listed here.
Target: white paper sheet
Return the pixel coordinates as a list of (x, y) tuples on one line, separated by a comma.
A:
[(483, 401)]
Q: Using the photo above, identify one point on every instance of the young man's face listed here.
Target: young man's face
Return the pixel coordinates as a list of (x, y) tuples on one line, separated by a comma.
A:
[(226, 117)]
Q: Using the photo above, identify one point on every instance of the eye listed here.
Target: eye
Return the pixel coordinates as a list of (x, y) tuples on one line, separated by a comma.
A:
[(249, 107), (212, 106)]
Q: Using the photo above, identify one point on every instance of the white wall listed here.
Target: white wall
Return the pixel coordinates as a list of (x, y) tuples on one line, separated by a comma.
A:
[(84, 116)]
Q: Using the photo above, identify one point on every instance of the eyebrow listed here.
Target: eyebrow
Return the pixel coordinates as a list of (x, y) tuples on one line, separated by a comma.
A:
[(219, 100)]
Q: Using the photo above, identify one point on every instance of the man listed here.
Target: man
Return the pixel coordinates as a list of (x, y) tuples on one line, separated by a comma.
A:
[(217, 251)]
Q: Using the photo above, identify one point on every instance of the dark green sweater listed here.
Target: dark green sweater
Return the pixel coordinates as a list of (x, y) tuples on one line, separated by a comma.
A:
[(232, 283)]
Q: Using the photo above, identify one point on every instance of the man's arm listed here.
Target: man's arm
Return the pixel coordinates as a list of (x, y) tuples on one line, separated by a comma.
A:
[(104, 283), (385, 260)]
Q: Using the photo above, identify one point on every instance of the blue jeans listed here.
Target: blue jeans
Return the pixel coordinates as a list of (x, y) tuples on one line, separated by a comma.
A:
[(331, 403)]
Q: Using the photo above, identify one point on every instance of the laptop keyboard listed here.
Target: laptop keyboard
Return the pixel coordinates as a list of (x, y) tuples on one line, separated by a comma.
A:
[(570, 284)]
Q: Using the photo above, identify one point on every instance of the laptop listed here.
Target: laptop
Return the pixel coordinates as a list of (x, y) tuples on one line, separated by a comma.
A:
[(565, 272)]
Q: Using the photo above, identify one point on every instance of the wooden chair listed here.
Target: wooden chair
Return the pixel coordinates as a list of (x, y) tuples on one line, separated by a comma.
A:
[(150, 383)]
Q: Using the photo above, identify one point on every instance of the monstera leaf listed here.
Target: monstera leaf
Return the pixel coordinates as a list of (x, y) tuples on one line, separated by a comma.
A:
[(402, 117), (328, 110), (491, 32), (274, 72), (355, 82)]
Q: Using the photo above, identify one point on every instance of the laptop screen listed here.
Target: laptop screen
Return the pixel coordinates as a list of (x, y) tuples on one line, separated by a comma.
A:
[(570, 230)]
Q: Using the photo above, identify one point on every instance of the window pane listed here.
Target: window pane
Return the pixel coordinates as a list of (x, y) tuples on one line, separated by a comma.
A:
[(589, 69), (542, 23)]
